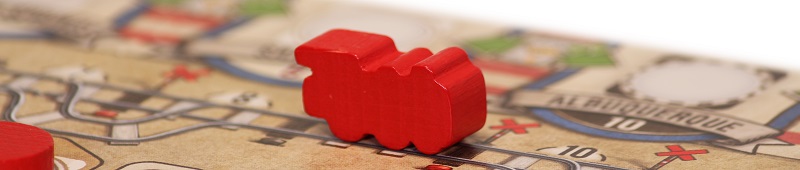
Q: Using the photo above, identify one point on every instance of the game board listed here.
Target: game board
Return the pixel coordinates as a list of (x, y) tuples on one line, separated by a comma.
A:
[(197, 85)]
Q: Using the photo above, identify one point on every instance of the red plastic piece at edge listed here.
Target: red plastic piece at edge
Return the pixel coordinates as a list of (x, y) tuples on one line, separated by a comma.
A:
[(25, 147), (362, 85)]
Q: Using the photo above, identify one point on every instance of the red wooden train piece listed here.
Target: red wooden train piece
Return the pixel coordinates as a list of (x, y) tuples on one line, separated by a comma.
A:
[(362, 85), (25, 147)]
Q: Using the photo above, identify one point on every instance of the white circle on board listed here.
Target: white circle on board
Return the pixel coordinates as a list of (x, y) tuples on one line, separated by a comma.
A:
[(692, 83)]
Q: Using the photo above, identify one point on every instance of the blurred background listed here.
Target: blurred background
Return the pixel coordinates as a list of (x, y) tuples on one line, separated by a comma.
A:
[(758, 32)]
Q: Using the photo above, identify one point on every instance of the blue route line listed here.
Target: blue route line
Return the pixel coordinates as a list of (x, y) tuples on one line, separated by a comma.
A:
[(224, 65), (786, 118), (128, 16)]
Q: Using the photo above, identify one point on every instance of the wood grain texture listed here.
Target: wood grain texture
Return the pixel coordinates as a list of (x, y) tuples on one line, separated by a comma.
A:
[(362, 85)]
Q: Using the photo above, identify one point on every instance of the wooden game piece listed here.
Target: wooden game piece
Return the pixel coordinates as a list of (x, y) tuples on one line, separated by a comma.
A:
[(362, 85), (25, 147)]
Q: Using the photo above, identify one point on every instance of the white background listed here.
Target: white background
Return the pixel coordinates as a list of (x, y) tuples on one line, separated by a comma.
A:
[(760, 32)]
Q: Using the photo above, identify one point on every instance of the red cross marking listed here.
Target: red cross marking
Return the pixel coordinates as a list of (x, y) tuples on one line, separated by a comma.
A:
[(677, 150), (791, 137), (180, 71), (517, 128)]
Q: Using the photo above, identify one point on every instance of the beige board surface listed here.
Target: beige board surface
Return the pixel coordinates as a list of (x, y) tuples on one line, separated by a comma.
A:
[(214, 121)]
